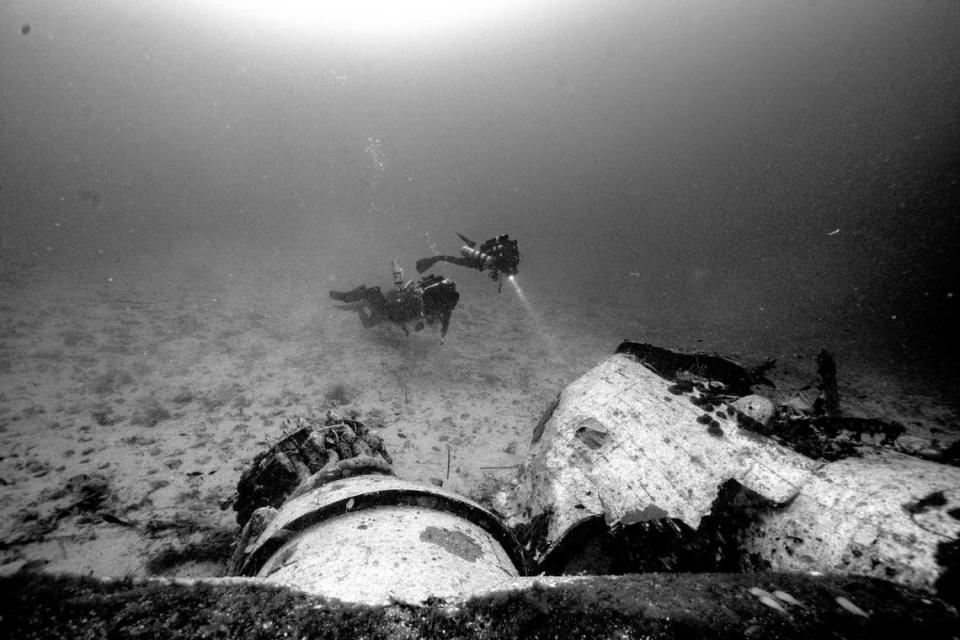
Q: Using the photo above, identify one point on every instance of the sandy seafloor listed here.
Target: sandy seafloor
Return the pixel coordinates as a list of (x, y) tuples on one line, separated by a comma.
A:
[(166, 377)]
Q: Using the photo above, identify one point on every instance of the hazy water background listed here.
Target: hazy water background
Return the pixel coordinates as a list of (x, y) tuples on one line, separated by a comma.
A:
[(755, 175)]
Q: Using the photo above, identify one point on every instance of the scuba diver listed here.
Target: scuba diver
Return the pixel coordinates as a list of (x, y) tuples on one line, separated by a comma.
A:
[(499, 255), (426, 302)]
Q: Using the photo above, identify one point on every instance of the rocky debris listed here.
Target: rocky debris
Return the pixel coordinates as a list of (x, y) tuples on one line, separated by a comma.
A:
[(829, 438), (84, 494), (314, 451), (665, 606)]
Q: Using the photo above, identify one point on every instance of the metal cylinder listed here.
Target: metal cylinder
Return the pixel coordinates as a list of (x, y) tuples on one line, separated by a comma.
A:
[(373, 539), (397, 273), (481, 259)]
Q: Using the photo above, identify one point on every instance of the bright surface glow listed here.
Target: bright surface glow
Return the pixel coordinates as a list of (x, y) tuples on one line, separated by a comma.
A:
[(386, 18)]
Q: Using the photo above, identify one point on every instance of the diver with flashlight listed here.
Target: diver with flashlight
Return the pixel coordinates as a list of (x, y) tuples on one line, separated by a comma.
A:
[(427, 301), (500, 256)]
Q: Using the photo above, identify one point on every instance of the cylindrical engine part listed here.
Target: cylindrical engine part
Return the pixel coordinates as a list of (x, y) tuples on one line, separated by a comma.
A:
[(372, 539)]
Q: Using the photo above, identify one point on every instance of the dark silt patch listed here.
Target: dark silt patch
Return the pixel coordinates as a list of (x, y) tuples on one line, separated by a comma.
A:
[(455, 542)]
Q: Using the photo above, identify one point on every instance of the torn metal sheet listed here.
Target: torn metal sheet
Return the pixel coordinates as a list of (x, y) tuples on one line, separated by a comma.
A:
[(631, 445), (884, 515)]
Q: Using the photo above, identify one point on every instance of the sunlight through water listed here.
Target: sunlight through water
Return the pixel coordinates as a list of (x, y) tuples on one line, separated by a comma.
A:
[(371, 18)]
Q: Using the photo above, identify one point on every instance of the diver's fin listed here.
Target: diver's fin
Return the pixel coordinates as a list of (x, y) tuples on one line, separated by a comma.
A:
[(470, 243), (425, 263), (351, 306), (349, 296)]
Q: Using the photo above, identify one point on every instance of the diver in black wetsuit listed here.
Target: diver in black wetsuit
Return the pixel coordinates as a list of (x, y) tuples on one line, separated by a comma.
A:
[(499, 255), (425, 302)]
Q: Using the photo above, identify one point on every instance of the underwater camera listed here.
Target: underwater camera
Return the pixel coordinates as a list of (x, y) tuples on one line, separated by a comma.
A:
[(500, 255)]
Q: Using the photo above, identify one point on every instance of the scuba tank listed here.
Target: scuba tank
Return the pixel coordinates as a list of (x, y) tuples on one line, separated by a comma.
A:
[(397, 274), (404, 303)]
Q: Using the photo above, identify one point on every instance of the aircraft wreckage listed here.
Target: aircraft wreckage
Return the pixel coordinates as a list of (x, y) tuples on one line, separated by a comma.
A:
[(660, 494)]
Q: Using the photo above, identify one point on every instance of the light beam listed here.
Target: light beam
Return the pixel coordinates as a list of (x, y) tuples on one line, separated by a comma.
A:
[(535, 320)]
